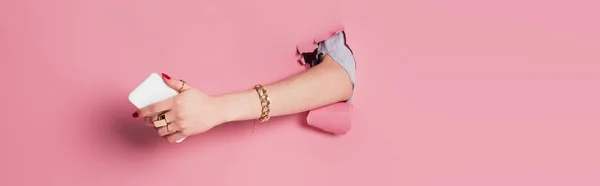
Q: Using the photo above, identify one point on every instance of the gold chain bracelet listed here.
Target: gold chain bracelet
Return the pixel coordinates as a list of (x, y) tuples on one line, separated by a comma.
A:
[(264, 103)]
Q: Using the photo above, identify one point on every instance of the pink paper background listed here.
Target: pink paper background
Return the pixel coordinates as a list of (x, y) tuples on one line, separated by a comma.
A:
[(449, 92)]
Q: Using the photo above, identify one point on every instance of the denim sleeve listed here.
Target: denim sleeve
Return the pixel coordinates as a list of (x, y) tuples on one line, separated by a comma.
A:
[(339, 51)]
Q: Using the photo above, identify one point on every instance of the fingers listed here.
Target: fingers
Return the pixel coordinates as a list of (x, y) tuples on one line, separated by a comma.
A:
[(170, 116), (168, 129), (165, 105), (175, 137), (175, 84), (156, 108), (172, 133)]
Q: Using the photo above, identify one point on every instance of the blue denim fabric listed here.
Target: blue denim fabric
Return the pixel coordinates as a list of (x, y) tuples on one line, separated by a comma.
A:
[(338, 50)]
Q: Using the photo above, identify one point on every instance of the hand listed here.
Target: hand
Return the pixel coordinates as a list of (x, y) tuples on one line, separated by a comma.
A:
[(190, 112)]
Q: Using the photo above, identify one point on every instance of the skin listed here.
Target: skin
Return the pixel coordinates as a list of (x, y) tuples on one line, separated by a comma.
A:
[(193, 111)]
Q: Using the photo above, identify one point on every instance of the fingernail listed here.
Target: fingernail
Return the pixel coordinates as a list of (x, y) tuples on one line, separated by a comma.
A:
[(135, 115), (166, 76)]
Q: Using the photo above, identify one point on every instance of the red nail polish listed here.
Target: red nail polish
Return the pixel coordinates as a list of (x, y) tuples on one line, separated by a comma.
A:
[(166, 76), (135, 115)]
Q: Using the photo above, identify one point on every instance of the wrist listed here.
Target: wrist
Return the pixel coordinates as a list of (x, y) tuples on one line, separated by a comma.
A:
[(240, 106), (228, 107)]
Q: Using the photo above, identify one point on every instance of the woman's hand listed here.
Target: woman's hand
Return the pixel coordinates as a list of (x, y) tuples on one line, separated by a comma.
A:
[(189, 113)]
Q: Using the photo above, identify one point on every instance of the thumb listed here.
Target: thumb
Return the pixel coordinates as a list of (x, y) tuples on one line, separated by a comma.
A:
[(176, 84)]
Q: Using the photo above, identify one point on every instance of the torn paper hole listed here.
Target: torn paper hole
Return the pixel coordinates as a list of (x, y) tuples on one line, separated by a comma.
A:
[(301, 60), (335, 118), (326, 35), (307, 47)]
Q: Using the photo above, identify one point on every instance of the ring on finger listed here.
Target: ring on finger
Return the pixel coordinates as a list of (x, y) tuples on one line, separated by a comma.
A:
[(168, 130), (182, 85), (160, 121)]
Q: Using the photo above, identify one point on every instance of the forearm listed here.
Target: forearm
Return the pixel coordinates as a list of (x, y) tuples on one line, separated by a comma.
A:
[(320, 85)]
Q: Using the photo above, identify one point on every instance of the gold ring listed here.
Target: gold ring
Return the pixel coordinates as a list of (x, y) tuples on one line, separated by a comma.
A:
[(160, 121), (182, 85)]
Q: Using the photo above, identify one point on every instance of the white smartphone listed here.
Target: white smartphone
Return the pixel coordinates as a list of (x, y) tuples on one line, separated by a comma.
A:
[(152, 90)]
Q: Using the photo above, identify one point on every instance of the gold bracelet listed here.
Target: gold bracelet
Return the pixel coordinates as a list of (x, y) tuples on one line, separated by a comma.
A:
[(264, 103)]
